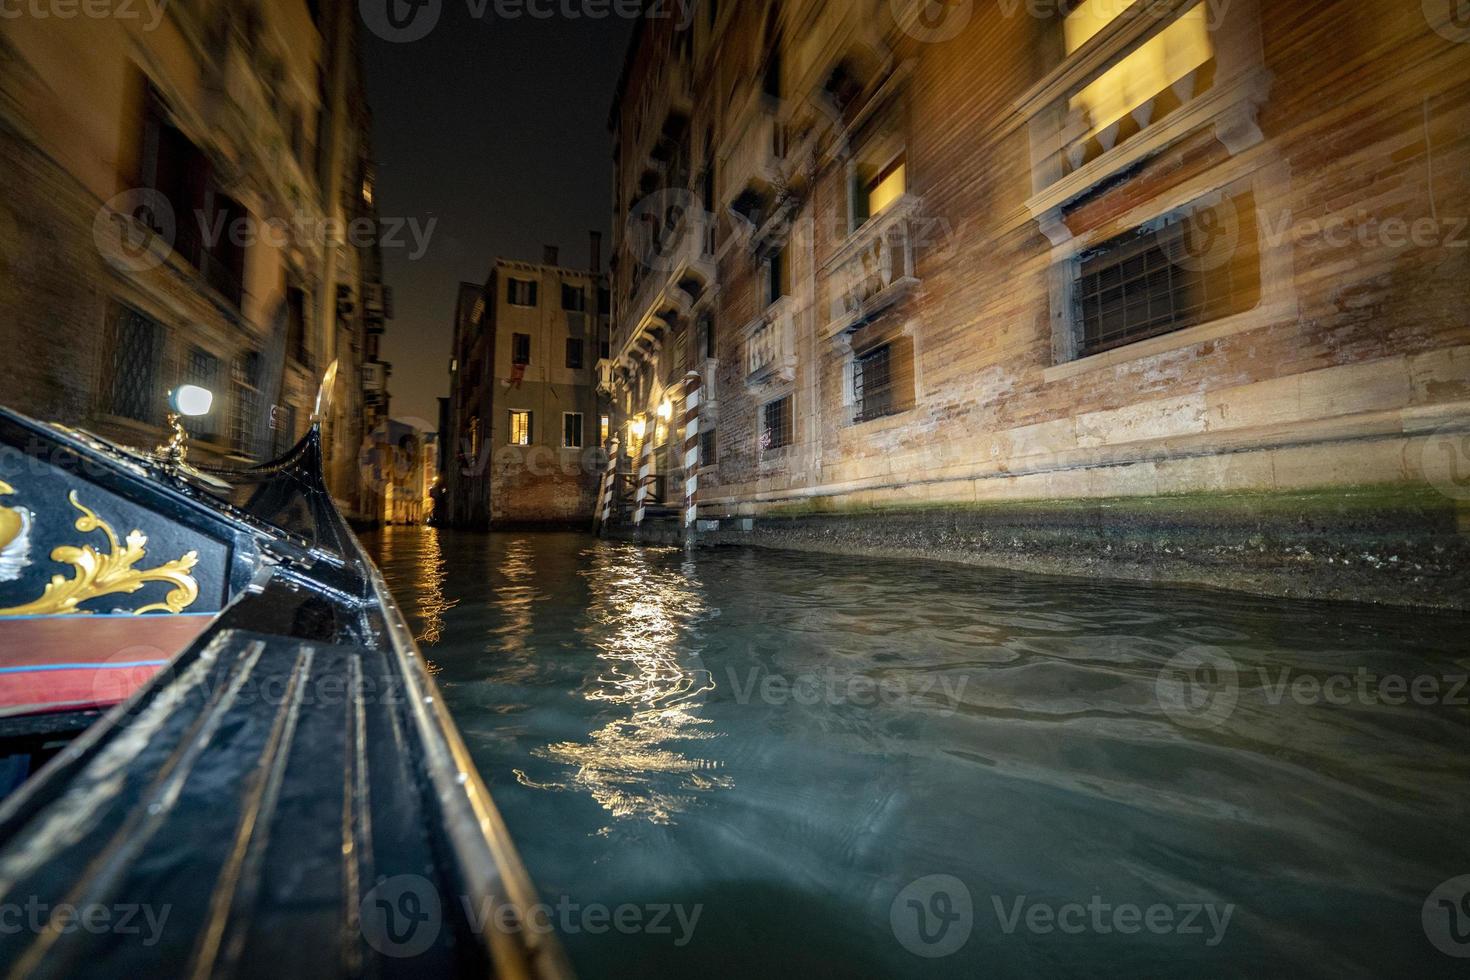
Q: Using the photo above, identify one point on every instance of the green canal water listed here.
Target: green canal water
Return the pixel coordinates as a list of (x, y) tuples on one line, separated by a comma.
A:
[(742, 763)]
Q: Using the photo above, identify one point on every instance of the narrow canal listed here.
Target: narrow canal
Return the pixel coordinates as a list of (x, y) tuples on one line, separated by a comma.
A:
[(736, 763)]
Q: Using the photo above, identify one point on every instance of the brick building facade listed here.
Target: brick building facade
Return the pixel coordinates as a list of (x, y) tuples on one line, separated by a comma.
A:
[(525, 417), (176, 195), (1165, 289)]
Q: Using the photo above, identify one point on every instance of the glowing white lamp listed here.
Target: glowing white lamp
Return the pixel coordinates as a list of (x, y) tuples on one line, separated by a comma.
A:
[(192, 401), (666, 410)]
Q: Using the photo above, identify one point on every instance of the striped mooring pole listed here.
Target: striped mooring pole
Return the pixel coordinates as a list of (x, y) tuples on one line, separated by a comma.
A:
[(645, 468), (692, 392), (609, 482)]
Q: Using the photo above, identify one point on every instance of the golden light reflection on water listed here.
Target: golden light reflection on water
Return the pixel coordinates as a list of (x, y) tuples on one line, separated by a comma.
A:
[(640, 620), (420, 545)]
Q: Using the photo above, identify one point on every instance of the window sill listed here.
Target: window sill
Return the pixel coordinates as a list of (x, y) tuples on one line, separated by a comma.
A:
[(1251, 319)]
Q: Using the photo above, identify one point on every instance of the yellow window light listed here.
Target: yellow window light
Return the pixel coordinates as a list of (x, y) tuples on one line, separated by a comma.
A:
[(1172, 54)]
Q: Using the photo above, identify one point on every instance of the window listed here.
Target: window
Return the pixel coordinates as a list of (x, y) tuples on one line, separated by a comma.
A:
[(707, 443), (130, 371), (179, 171), (520, 428), (573, 298), (707, 328), (571, 430), (245, 378), (1174, 273), (776, 276), (202, 369), (520, 348), (604, 429), (872, 384), (777, 426), (1147, 84), (474, 447), (521, 292), (574, 353), (890, 184)]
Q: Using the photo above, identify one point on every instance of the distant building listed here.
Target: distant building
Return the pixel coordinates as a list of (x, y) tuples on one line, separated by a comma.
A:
[(406, 459), (1148, 288), (525, 418), (171, 214)]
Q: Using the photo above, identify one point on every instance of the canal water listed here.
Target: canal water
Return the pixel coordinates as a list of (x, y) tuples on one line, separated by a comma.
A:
[(742, 763)]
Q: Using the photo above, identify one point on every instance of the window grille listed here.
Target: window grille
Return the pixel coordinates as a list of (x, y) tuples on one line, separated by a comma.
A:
[(202, 369), (778, 427), (130, 372), (246, 382), (872, 384), (1154, 281)]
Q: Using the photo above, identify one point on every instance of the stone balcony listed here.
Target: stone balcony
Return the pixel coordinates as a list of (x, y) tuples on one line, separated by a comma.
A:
[(755, 154), (606, 376), (679, 267), (875, 268), (770, 345)]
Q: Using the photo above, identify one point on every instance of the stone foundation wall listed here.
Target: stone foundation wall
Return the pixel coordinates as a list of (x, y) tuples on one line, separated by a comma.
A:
[(1375, 544)]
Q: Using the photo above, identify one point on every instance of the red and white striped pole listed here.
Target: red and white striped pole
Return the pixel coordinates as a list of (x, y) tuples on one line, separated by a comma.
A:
[(645, 479), (609, 482), (692, 392)]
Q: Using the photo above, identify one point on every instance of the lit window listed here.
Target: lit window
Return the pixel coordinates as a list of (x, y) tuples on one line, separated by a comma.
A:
[(520, 428), (890, 185), (571, 430), (1162, 73), (604, 429)]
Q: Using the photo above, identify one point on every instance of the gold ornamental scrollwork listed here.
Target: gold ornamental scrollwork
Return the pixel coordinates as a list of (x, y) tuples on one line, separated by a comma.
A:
[(97, 573)]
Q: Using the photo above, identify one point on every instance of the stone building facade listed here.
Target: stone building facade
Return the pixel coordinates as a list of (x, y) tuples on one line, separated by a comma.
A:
[(189, 199), (525, 416), (1169, 290)]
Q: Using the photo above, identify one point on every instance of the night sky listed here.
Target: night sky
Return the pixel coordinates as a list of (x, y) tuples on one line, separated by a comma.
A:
[(497, 128)]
